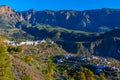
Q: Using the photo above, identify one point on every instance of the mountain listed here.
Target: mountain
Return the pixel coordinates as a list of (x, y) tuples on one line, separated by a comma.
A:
[(80, 33), (99, 20), (64, 27), (105, 45), (90, 20)]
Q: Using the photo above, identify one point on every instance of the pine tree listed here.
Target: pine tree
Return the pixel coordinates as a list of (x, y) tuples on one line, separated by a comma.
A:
[(81, 76), (49, 71), (102, 77), (27, 77), (89, 74), (28, 59), (5, 63)]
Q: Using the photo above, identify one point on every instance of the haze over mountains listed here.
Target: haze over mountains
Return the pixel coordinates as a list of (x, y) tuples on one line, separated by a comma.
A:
[(44, 24)]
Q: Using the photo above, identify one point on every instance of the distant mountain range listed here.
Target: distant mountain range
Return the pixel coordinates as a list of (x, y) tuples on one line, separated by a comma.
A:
[(99, 20), (66, 28)]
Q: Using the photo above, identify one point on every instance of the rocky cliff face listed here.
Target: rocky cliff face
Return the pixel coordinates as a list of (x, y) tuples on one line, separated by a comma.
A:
[(90, 20), (9, 16), (106, 48), (6, 10), (106, 45)]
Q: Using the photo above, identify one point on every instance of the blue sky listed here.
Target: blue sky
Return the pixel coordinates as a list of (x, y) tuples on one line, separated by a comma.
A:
[(21, 5)]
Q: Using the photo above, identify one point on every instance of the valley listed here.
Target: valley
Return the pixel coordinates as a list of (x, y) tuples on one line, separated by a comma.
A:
[(59, 45)]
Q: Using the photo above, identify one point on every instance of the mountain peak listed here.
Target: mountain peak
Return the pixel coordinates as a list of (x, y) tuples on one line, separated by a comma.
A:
[(5, 9), (4, 6)]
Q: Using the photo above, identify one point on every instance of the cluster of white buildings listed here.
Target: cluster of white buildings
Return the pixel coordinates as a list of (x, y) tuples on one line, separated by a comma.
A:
[(76, 61), (35, 43)]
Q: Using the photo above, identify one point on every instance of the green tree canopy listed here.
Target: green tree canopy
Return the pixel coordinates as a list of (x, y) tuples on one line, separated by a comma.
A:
[(5, 63)]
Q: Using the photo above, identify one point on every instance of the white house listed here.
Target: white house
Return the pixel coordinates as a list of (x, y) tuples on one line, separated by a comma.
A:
[(43, 42), (36, 43), (26, 43)]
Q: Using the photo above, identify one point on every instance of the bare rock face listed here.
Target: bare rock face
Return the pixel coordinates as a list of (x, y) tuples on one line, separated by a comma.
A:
[(6, 10), (108, 45), (86, 20), (6, 13), (10, 16)]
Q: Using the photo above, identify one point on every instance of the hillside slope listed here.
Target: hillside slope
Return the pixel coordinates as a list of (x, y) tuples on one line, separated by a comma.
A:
[(30, 62), (21, 69)]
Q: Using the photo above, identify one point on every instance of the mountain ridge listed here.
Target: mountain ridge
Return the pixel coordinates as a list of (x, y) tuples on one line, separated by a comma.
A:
[(98, 20)]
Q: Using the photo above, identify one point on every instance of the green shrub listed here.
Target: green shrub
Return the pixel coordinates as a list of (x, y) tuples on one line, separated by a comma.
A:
[(27, 77)]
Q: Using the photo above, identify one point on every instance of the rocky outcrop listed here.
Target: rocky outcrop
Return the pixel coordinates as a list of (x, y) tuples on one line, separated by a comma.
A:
[(6, 10), (106, 45), (9, 16), (106, 48)]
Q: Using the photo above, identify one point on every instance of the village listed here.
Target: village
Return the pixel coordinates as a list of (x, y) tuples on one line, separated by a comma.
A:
[(94, 63), (34, 43)]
